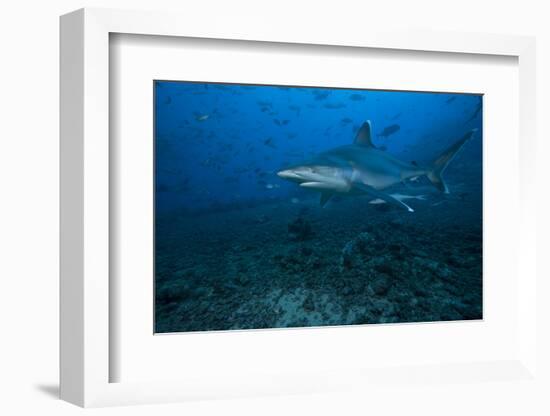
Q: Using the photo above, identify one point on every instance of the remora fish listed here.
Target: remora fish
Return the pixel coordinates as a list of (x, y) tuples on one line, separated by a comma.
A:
[(362, 169), (399, 197)]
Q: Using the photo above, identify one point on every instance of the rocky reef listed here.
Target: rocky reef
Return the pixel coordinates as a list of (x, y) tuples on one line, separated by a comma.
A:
[(345, 264), (300, 230)]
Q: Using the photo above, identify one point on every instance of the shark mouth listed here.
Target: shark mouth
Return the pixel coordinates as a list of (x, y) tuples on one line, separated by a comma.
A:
[(322, 178)]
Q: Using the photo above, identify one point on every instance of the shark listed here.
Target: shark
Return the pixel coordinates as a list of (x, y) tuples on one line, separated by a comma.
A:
[(362, 169)]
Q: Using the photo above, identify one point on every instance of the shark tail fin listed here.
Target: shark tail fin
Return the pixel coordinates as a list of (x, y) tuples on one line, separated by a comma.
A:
[(439, 165)]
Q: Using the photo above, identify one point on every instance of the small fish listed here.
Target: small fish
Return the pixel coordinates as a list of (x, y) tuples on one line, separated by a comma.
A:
[(201, 117), (167, 100), (346, 120), (295, 108), (269, 142), (320, 95), (280, 122), (395, 117), (389, 130), (450, 100), (357, 97), (295, 200), (334, 106)]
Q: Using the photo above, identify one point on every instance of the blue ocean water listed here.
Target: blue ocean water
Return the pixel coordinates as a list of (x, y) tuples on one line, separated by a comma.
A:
[(238, 247)]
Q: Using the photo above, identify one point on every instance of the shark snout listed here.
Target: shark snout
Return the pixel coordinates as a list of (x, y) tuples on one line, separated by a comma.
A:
[(299, 174), (288, 174), (317, 177)]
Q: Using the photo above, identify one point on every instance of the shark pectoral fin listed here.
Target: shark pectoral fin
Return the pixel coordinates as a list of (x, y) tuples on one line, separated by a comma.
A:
[(383, 196), (399, 203), (325, 197)]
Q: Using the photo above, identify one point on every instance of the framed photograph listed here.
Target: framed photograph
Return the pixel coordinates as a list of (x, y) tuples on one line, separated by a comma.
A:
[(253, 224), (271, 213)]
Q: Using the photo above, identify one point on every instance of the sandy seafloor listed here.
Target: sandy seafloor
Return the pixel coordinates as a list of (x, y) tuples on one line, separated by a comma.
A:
[(347, 263)]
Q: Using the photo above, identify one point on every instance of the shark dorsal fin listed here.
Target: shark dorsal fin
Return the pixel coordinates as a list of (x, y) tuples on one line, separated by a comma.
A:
[(364, 135)]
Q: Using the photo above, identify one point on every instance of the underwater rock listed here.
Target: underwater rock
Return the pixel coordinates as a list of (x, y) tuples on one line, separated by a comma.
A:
[(172, 293), (308, 304), (444, 273), (384, 309), (262, 219), (428, 264), (291, 262), (394, 248), (299, 261), (420, 292), (299, 230), (223, 288), (306, 251), (315, 263), (380, 285), (382, 207), (384, 268), (243, 280), (454, 261), (396, 223), (355, 250)]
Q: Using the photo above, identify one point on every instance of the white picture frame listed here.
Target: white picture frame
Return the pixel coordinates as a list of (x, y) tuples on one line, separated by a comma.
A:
[(85, 212)]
